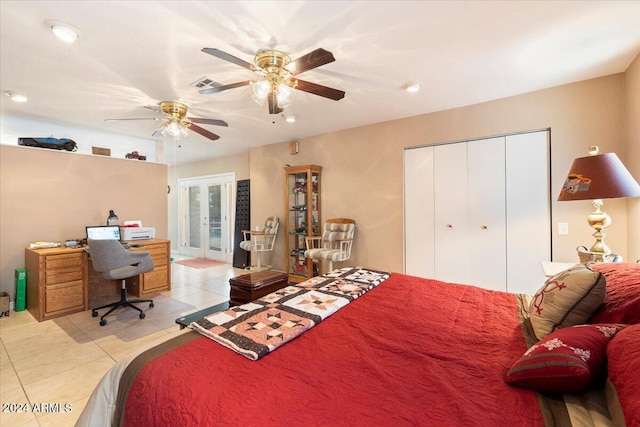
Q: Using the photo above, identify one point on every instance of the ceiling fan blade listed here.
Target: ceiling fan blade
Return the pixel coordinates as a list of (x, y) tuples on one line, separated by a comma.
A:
[(319, 90), (197, 129), (310, 61), (273, 104), (209, 121), (145, 118), (227, 57), (157, 134), (224, 87)]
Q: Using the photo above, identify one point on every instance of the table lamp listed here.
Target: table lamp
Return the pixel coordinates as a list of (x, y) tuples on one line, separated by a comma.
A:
[(596, 177), (112, 217)]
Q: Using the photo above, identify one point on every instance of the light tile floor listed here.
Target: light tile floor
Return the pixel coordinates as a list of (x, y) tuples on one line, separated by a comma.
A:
[(53, 366)]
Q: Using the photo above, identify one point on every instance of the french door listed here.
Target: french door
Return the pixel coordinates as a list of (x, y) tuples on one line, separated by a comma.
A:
[(205, 212)]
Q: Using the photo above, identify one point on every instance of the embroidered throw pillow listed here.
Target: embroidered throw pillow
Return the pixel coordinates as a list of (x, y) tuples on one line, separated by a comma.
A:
[(566, 361), (567, 299)]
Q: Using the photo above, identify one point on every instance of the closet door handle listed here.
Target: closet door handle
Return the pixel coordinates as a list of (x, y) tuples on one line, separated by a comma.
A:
[(449, 226), (484, 227)]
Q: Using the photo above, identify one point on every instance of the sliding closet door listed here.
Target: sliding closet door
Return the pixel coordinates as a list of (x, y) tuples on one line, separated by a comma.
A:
[(480, 210), (450, 218), (528, 210), (486, 210), (418, 212)]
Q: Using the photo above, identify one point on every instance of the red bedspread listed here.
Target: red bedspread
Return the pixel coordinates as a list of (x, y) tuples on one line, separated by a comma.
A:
[(409, 352)]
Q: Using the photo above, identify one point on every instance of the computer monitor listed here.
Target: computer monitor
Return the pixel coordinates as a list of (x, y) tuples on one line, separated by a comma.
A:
[(103, 232)]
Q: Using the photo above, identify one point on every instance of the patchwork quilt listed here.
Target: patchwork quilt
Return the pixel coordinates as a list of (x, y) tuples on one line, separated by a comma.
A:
[(261, 326)]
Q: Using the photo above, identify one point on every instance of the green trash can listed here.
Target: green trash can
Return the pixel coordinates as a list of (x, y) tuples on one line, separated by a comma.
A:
[(21, 289)]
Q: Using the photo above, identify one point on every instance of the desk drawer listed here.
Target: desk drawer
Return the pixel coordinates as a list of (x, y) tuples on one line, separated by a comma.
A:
[(156, 279), (64, 261), (158, 253), (65, 296), (55, 277)]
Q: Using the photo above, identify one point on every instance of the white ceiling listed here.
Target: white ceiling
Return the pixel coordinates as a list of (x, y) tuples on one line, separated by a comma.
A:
[(133, 54)]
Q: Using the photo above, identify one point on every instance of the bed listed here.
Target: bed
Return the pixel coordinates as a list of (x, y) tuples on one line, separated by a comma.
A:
[(403, 351)]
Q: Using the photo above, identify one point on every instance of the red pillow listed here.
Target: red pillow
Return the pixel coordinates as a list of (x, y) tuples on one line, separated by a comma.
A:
[(623, 355), (622, 299), (567, 360)]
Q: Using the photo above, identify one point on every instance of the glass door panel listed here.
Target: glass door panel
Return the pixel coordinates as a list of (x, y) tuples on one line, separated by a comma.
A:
[(193, 230), (215, 217)]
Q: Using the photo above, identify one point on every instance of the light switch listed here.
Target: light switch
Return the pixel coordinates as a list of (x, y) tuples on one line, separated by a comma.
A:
[(563, 228)]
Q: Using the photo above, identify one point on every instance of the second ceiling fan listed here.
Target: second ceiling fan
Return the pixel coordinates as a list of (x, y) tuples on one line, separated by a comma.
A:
[(276, 69), (175, 122)]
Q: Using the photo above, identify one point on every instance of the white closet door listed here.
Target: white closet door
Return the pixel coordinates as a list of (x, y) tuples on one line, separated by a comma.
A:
[(528, 210), (450, 193), (418, 212), (486, 213)]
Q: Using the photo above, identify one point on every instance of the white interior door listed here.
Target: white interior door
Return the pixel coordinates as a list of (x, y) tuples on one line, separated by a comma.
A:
[(486, 200), (419, 212), (528, 210), (206, 211), (450, 193)]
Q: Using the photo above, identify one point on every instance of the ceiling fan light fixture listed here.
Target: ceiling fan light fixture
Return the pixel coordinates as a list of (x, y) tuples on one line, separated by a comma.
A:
[(173, 129), (412, 87), (261, 90), (284, 95), (65, 32)]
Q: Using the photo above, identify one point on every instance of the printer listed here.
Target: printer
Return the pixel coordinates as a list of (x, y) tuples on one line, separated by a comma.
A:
[(133, 230)]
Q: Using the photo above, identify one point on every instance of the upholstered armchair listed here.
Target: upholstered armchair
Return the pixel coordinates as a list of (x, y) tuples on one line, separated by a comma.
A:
[(259, 241), (335, 243)]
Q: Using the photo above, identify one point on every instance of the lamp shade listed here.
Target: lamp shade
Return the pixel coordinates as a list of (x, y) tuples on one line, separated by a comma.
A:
[(112, 216), (602, 176)]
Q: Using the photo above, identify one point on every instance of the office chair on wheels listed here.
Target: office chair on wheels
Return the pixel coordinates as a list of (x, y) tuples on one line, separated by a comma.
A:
[(111, 259)]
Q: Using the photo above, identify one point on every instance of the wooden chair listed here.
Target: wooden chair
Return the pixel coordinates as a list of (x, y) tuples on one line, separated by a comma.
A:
[(335, 243)]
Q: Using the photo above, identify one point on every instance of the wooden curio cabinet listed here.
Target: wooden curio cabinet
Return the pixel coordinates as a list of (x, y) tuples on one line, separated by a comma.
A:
[(302, 187)]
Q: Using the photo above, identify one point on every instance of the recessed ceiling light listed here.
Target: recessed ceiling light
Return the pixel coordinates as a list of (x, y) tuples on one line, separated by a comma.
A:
[(65, 32), (411, 86), (16, 97), (291, 119)]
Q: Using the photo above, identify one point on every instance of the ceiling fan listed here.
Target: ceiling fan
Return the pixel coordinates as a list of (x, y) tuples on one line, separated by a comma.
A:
[(277, 82), (175, 122)]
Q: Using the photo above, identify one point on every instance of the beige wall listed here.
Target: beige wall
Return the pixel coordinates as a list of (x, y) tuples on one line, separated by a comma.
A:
[(50, 195), (632, 92), (363, 167)]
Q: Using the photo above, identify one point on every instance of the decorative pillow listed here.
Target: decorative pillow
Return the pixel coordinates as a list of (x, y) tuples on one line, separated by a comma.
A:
[(566, 361), (622, 300), (624, 372), (567, 299)]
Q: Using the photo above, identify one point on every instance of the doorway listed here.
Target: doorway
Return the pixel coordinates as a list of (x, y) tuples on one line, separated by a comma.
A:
[(205, 212)]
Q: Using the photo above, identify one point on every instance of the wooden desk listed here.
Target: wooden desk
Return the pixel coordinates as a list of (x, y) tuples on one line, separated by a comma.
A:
[(62, 281)]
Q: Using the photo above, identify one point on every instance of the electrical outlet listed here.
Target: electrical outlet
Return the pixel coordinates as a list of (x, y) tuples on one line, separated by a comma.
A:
[(563, 228)]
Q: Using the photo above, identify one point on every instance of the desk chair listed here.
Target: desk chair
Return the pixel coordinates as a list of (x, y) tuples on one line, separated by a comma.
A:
[(111, 259), (335, 243), (261, 241)]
